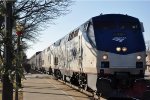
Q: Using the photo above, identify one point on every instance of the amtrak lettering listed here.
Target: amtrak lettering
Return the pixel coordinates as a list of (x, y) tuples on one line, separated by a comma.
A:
[(119, 39)]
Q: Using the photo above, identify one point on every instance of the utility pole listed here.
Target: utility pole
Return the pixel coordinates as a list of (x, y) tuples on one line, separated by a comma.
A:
[(7, 92)]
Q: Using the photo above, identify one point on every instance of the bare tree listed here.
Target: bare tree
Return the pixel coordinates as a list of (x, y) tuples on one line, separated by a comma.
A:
[(36, 15), (33, 15)]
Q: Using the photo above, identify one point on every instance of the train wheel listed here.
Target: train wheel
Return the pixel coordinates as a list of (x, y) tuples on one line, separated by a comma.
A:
[(58, 74), (85, 87), (64, 78), (148, 67), (104, 87), (83, 81), (50, 71)]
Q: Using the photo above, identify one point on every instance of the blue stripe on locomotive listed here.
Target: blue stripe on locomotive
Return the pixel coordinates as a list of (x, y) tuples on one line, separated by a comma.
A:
[(107, 40)]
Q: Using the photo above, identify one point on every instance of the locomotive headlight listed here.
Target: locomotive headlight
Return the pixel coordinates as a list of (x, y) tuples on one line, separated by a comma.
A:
[(138, 57), (118, 49), (124, 49), (105, 57)]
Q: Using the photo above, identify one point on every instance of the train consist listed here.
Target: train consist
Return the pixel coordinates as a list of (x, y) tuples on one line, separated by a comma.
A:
[(106, 54)]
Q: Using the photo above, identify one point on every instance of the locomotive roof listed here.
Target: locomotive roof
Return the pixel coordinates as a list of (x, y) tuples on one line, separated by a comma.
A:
[(114, 17)]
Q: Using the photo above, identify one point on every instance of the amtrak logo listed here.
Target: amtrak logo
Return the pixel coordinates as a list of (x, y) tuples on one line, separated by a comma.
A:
[(119, 39)]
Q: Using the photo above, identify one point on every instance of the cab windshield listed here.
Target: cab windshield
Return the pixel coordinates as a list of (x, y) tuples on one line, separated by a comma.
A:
[(128, 26), (105, 25), (110, 25)]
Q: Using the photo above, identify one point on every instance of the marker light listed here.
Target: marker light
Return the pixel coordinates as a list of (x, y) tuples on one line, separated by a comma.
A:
[(105, 57), (124, 49), (118, 49), (138, 57)]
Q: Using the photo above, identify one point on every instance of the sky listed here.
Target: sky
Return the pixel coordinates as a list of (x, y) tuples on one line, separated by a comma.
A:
[(83, 10)]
